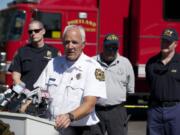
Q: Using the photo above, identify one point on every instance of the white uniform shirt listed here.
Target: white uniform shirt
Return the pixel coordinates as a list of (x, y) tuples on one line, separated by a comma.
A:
[(68, 83)]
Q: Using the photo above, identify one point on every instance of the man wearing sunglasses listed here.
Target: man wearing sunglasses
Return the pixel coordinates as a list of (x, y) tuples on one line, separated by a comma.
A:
[(31, 59), (119, 78), (163, 76), (75, 82)]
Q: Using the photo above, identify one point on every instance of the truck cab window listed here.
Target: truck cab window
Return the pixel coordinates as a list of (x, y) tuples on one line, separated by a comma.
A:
[(171, 10), (11, 24), (52, 23)]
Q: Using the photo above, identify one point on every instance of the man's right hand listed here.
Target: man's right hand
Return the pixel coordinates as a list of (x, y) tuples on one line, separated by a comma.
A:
[(24, 106)]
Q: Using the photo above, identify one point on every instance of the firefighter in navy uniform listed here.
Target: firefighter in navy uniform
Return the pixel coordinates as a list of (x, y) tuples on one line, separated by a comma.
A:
[(163, 75), (29, 63), (31, 59)]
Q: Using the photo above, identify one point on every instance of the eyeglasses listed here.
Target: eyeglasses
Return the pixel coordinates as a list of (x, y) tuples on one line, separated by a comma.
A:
[(35, 31), (66, 42)]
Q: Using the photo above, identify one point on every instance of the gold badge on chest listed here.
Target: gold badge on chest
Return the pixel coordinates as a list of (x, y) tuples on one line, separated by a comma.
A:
[(48, 55), (99, 75)]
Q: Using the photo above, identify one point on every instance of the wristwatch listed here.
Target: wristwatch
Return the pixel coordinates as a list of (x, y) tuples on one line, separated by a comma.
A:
[(71, 117)]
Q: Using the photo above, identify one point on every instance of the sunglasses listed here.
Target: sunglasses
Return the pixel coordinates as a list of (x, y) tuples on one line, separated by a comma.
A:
[(114, 49), (166, 41), (35, 31), (66, 42)]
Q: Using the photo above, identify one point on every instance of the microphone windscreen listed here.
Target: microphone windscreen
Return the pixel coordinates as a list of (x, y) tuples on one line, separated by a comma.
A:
[(18, 88)]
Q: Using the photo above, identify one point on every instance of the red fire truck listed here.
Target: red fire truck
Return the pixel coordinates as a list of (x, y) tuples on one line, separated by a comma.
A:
[(138, 23)]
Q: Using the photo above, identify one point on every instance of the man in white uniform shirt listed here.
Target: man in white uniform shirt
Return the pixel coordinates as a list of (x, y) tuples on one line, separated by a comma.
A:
[(119, 78), (75, 82)]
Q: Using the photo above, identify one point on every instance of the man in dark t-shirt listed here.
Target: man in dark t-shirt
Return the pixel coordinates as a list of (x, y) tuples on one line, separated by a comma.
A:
[(29, 63), (163, 76), (31, 59)]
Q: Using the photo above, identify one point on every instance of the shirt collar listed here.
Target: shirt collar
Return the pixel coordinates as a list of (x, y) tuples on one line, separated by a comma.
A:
[(115, 62), (175, 58), (78, 63)]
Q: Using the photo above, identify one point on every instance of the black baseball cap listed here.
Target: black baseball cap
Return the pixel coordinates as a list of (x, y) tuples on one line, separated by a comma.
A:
[(170, 34), (111, 39)]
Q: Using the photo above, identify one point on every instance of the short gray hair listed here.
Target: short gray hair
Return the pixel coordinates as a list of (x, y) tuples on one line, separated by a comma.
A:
[(80, 28)]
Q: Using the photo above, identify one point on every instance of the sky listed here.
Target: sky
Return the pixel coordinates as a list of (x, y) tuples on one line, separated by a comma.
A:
[(3, 3)]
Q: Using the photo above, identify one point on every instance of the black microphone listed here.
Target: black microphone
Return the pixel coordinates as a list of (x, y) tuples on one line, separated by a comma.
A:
[(20, 93), (44, 110), (9, 95), (40, 103)]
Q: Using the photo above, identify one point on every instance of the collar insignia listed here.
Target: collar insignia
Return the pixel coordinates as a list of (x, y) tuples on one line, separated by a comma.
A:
[(78, 76)]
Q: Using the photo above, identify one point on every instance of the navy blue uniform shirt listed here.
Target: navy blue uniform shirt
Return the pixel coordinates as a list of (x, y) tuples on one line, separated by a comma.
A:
[(30, 62), (164, 80)]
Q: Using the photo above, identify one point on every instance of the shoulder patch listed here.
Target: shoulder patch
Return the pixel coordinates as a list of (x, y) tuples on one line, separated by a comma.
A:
[(99, 74)]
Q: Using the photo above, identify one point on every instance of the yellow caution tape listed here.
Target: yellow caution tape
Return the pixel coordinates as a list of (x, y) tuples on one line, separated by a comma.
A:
[(136, 106)]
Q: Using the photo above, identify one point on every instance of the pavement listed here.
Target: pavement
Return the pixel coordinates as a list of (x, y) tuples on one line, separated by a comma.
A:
[(137, 128)]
